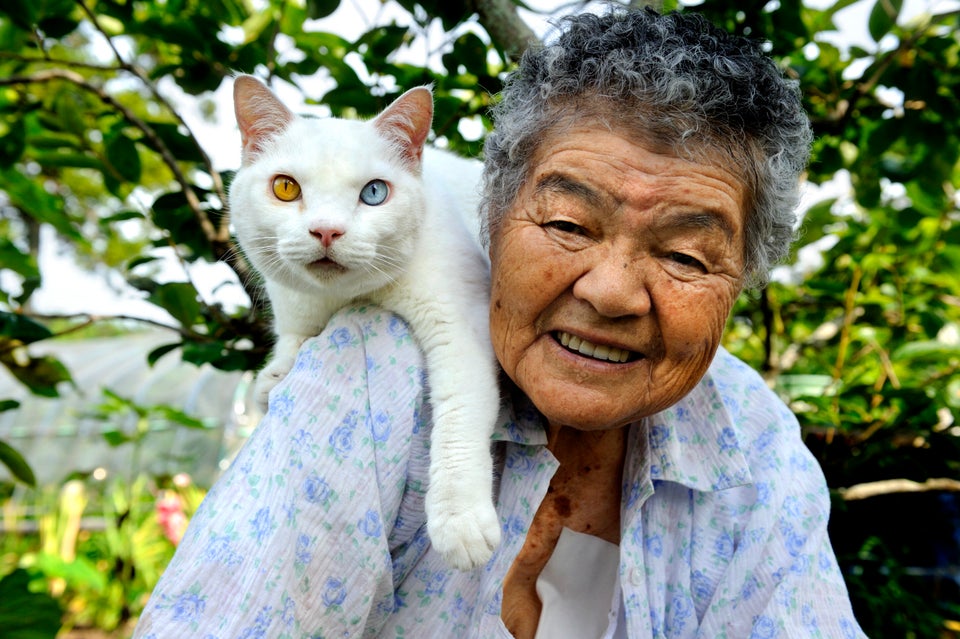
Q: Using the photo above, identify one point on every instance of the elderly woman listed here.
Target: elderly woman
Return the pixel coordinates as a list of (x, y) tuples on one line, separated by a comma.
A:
[(643, 171)]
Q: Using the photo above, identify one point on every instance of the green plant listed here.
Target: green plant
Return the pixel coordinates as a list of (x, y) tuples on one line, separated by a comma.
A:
[(97, 549), (26, 613)]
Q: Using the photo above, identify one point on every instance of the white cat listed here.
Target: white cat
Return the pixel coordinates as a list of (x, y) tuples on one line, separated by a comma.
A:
[(330, 211)]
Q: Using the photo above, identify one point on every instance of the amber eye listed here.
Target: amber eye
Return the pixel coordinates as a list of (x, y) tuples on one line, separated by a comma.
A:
[(286, 188)]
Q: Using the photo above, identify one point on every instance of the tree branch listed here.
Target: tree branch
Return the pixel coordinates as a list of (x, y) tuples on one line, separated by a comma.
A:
[(222, 234), (891, 486), (45, 59), (505, 27), (49, 75)]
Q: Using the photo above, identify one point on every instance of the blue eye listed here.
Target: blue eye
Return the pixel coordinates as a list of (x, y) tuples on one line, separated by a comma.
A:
[(374, 193)]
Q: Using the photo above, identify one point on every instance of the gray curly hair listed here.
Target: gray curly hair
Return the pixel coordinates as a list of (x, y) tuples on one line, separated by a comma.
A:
[(680, 85)]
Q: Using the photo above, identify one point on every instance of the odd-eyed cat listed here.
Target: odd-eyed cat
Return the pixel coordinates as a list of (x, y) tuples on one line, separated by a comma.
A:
[(330, 211)]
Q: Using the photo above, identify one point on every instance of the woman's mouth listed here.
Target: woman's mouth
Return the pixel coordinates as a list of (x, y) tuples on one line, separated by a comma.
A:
[(601, 352)]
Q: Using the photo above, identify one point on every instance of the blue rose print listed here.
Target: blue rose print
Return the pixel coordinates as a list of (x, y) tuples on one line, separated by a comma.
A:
[(281, 405), (723, 546), (334, 592), (380, 427), (341, 439), (340, 338), (397, 327), (659, 435), (303, 554), (370, 525), (316, 490), (262, 524), (727, 440), (764, 628), (188, 607)]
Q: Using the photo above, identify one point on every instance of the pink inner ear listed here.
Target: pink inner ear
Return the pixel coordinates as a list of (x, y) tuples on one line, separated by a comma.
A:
[(406, 124), (260, 115)]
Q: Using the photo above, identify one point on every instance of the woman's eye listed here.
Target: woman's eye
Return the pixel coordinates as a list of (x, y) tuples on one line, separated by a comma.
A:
[(374, 193), (286, 188), (565, 226), (686, 260)]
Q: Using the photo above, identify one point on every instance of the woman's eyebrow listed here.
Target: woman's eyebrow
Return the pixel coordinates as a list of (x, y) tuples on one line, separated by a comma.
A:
[(706, 220), (563, 184), (697, 220)]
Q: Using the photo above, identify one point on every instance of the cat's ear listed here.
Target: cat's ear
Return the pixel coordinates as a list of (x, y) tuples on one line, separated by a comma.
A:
[(406, 124), (260, 115)]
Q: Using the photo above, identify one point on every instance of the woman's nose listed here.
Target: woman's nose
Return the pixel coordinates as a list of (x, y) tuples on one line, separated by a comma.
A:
[(615, 286)]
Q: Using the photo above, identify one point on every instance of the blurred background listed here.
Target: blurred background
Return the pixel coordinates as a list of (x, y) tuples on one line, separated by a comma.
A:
[(129, 323)]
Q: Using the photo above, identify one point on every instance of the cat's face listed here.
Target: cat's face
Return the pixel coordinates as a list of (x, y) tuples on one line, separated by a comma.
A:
[(325, 204)]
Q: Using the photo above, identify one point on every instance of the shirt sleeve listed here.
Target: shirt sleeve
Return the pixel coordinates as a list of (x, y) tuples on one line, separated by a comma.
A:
[(303, 534), (780, 577)]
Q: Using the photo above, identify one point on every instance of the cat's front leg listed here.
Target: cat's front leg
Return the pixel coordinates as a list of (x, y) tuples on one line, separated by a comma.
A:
[(281, 361), (462, 377), (297, 316), (461, 518)]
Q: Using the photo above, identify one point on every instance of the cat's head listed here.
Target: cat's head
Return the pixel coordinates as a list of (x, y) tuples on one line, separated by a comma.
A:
[(329, 203)]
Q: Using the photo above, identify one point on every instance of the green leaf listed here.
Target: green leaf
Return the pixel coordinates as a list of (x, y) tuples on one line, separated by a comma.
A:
[(470, 51), (32, 199), (317, 9), (180, 299), (883, 17), (16, 464), (154, 356), (12, 142), (179, 417), (81, 573), (11, 257), (116, 438), (121, 216), (70, 106), (67, 159), (926, 349), (8, 404), (184, 148), (172, 213), (41, 374), (22, 13), (57, 27), (383, 41), (22, 329), (123, 156), (25, 614)]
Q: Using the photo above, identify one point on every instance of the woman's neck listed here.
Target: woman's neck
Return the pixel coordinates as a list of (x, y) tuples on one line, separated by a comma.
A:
[(584, 496), (589, 479)]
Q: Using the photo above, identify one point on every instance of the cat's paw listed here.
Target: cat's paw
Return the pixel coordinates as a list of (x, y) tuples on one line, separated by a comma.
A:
[(267, 378), (465, 533)]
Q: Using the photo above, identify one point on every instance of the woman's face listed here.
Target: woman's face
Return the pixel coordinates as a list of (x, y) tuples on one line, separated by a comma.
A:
[(613, 276)]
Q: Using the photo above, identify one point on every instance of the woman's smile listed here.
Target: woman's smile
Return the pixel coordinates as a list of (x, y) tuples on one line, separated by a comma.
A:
[(585, 347)]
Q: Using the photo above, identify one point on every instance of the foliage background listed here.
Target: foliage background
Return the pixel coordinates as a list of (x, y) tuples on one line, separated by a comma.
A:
[(860, 332)]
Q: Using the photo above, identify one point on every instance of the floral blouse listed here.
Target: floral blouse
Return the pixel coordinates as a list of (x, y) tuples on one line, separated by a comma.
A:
[(317, 529)]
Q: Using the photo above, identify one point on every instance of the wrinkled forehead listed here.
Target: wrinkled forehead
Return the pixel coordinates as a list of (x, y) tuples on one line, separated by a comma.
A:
[(691, 144), (682, 135)]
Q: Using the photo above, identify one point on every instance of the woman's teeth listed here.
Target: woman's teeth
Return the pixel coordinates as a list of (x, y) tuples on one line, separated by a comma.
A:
[(601, 352)]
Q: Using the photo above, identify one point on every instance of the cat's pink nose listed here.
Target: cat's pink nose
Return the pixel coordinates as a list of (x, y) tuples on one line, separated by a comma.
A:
[(326, 235)]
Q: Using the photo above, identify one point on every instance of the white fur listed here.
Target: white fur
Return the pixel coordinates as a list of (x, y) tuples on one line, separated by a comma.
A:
[(416, 254)]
